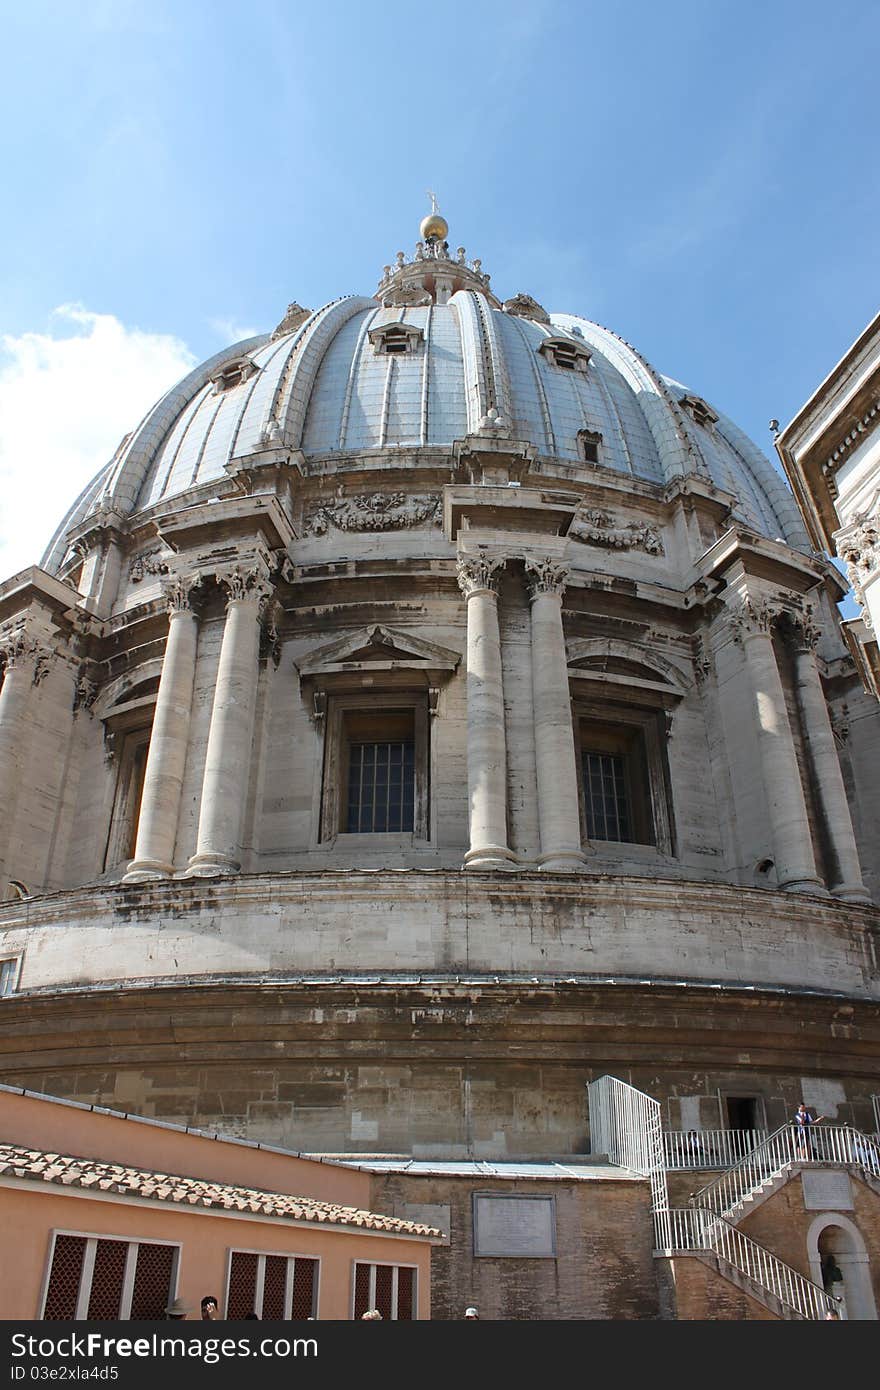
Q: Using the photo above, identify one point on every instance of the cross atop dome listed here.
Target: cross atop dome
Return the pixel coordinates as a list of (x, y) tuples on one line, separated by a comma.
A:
[(432, 276)]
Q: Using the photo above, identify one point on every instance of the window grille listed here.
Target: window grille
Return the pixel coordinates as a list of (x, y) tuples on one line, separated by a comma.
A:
[(102, 1279), (108, 1275), (605, 797), (390, 1288), (242, 1284), (274, 1282), (405, 1285), (63, 1290), (381, 787), (304, 1289), (275, 1287), (153, 1280), (8, 975)]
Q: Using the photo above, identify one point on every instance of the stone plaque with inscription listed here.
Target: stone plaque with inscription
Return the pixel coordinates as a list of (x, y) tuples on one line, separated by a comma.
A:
[(523, 1227), (827, 1191)]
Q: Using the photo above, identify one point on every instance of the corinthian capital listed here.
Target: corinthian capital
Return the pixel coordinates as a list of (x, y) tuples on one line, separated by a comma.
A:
[(751, 618), (477, 572), (21, 648), (800, 630), (546, 576), (178, 592), (248, 584), (858, 545)]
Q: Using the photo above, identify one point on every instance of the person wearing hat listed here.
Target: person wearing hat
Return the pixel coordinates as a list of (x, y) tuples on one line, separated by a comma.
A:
[(177, 1310), (471, 1313)]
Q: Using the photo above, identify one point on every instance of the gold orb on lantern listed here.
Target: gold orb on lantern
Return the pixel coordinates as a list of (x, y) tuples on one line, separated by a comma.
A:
[(433, 227)]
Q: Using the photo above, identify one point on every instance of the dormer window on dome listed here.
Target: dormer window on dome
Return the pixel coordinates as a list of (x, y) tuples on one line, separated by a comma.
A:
[(589, 444), (233, 374), (699, 410), (562, 352), (396, 339)]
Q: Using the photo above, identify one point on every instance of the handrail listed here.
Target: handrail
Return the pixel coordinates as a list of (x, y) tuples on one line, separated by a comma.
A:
[(786, 1146), (708, 1148), (696, 1228)]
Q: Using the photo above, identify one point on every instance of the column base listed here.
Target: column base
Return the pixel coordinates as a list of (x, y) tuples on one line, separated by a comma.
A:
[(211, 866), (805, 885), (563, 861), (490, 857), (142, 870), (852, 893)]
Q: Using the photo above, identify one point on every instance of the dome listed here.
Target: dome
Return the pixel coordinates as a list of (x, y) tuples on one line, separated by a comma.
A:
[(419, 367), (434, 712)]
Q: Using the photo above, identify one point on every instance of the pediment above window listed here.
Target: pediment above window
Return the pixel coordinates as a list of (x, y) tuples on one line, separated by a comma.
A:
[(699, 410), (396, 338), (233, 373), (565, 352), (378, 648), (626, 666)]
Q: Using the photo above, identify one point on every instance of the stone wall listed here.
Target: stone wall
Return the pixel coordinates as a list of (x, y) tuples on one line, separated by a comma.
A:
[(603, 1267)]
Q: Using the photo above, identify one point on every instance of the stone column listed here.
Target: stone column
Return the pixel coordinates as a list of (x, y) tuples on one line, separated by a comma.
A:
[(858, 543), (486, 743), (25, 657), (169, 740), (555, 757), (228, 757), (790, 828), (819, 736)]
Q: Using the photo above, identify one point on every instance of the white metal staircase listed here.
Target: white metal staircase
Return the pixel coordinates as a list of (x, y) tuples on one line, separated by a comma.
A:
[(746, 1263), (771, 1163), (625, 1124)]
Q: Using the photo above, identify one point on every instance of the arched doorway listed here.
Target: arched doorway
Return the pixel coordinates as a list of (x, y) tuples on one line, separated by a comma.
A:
[(839, 1261)]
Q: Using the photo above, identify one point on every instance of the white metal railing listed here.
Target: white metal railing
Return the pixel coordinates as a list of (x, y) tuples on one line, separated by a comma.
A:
[(625, 1124), (709, 1148), (786, 1146), (695, 1228)]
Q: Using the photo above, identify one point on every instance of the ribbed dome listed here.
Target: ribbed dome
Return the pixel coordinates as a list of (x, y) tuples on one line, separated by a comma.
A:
[(325, 388)]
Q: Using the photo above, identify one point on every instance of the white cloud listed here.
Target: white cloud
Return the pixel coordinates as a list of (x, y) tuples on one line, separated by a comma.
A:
[(230, 331), (66, 399)]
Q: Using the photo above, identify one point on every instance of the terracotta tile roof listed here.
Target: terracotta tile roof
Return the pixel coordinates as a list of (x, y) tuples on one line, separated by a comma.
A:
[(62, 1169)]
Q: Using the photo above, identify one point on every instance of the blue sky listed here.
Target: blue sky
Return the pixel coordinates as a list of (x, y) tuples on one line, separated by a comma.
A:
[(697, 176)]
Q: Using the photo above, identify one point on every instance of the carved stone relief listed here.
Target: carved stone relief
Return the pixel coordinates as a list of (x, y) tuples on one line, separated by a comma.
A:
[(375, 511), (594, 527), (524, 307), (151, 562), (858, 545)]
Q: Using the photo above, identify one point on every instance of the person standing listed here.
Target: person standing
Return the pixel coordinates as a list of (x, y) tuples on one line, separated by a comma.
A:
[(803, 1123), (210, 1309), (471, 1315)]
